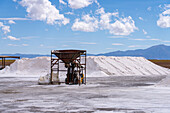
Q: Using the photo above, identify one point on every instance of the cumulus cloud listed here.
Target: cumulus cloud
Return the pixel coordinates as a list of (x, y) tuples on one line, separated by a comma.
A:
[(121, 26), (164, 17), (124, 26), (11, 22), (116, 26), (77, 4), (12, 38), (5, 29), (87, 24), (43, 10)]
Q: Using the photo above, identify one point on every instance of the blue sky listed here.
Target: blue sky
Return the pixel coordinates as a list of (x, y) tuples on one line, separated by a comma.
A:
[(98, 26)]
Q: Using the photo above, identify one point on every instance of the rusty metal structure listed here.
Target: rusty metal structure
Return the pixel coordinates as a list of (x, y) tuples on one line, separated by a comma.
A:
[(75, 65), (4, 58)]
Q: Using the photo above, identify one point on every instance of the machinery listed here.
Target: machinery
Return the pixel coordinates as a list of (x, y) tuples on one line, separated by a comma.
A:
[(74, 63)]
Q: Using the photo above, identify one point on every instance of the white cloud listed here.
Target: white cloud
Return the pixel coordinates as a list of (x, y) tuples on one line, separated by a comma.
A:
[(24, 44), (164, 18), (117, 44), (15, 0), (134, 46), (145, 32), (12, 45), (117, 37), (69, 13), (166, 41), (88, 24), (29, 37), (77, 4), (65, 45), (5, 29), (141, 39), (11, 22), (148, 36), (124, 26), (109, 48), (88, 43), (12, 38), (41, 45), (140, 18), (121, 26), (1, 24), (43, 10), (18, 45), (62, 2), (149, 8), (154, 39), (105, 18)]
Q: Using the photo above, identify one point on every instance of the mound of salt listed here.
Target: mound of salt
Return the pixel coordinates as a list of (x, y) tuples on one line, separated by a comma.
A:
[(96, 66), (123, 66), (164, 82), (26, 66)]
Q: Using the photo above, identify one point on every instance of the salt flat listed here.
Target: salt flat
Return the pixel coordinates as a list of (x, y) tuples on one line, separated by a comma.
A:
[(118, 94), (114, 84)]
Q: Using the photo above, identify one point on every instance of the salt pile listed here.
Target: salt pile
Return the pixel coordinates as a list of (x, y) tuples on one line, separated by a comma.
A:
[(29, 66), (164, 82), (123, 66), (96, 66)]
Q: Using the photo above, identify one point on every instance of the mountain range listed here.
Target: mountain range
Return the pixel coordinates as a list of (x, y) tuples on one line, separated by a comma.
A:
[(154, 52)]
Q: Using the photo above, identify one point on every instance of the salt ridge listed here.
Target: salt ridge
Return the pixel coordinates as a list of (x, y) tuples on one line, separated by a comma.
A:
[(97, 66)]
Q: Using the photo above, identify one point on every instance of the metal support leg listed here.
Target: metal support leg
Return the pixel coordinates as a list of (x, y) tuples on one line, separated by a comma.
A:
[(4, 62), (51, 70)]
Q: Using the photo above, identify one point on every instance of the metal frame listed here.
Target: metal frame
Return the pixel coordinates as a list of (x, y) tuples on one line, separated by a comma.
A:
[(4, 57), (55, 61)]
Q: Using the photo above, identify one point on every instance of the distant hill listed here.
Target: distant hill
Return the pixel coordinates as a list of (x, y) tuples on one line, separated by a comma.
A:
[(154, 52)]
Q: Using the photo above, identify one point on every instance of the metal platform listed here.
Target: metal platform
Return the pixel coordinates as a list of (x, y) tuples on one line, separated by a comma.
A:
[(3, 60)]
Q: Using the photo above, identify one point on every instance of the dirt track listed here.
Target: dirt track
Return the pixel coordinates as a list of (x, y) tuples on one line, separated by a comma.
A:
[(163, 63)]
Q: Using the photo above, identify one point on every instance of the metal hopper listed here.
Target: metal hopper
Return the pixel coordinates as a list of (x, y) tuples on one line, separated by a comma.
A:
[(68, 56)]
